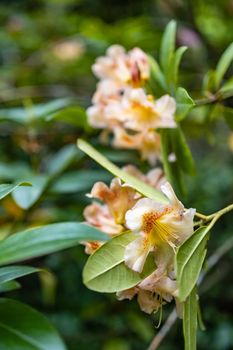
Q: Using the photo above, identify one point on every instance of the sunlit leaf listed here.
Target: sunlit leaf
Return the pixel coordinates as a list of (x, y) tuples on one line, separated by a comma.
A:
[(139, 186), (22, 327)]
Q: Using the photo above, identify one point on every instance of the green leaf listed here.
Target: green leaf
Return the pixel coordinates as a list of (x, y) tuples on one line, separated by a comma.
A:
[(13, 171), (223, 65), (156, 74), (33, 112), (25, 197), (167, 47), (184, 103), (9, 273), (62, 159), (190, 321), (228, 116), (105, 270), (46, 239), (22, 327), (189, 260), (138, 185), (78, 181), (182, 151), (227, 87), (74, 115), (6, 189), (176, 63), (172, 170), (8, 287)]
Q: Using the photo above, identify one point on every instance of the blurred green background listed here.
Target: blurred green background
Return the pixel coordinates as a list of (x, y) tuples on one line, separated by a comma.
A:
[(47, 48)]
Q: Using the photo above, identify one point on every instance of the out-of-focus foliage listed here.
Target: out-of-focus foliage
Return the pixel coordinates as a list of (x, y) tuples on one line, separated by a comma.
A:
[(46, 52)]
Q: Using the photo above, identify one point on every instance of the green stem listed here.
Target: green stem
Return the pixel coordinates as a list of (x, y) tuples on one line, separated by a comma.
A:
[(215, 216)]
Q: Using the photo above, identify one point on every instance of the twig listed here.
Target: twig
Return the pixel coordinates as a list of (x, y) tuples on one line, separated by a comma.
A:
[(163, 331)]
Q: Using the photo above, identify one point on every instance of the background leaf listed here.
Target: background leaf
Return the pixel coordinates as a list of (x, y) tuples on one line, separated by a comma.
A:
[(6, 189), (46, 239), (9, 273), (223, 65), (25, 197), (22, 327)]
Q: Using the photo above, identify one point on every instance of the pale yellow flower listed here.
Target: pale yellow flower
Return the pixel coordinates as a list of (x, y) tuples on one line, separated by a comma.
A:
[(146, 142), (107, 92), (119, 198), (130, 68), (149, 302), (138, 111), (99, 216), (156, 226)]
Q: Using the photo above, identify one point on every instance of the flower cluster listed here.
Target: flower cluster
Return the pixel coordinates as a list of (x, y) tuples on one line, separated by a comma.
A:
[(121, 105), (159, 229)]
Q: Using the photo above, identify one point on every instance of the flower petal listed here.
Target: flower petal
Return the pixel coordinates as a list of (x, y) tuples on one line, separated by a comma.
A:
[(136, 253)]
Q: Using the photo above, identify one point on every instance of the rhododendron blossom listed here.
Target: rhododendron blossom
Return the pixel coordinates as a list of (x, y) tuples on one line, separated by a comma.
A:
[(156, 224), (138, 111), (128, 68), (122, 107), (117, 199)]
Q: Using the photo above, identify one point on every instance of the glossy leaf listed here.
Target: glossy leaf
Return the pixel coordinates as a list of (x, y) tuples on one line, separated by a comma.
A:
[(184, 104), (190, 321), (9, 273), (6, 189), (138, 185), (25, 197), (189, 260), (46, 239), (22, 327), (223, 65), (105, 270)]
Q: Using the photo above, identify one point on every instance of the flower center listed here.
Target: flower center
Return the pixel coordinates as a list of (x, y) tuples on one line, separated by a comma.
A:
[(156, 231)]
